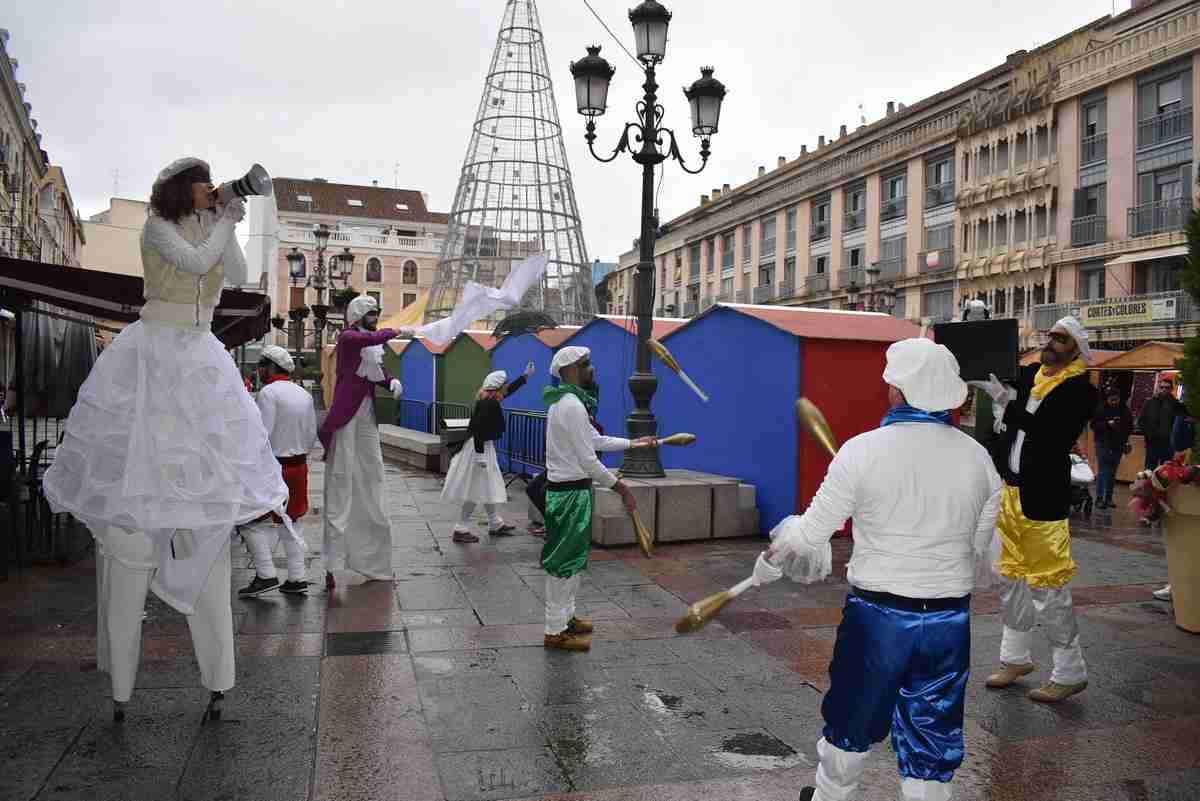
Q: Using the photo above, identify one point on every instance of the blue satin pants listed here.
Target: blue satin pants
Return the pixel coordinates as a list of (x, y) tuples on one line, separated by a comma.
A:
[(903, 671)]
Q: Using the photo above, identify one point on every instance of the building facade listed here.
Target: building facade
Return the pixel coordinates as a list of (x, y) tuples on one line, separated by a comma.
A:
[(394, 238), (113, 237), (38, 219), (1055, 182), (1126, 119)]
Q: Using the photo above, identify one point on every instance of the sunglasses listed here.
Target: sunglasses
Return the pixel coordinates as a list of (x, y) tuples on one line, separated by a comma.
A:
[(1060, 338)]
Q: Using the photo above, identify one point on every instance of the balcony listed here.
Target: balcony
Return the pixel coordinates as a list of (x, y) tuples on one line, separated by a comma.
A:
[(787, 289), (1161, 128), (852, 277), (939, 195), (741, 296), (706, 303), (726, 262), (764, 293), (854, 220), (1159, 216), (893, 208), (935, 261), (791, 240), (890, 269), (766, 249), (818, 231), (1093, 149), (690, 307), (1088, 230), (816, 283), (1158, 308), (419, 244)]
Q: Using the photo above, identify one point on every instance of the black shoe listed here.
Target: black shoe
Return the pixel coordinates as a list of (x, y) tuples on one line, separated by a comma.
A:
[(807, 793), (504, 530), (294, 587), (258, 587), (215, 700)]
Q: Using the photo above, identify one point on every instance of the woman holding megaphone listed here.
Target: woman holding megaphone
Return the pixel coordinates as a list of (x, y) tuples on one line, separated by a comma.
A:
[(164, 451)]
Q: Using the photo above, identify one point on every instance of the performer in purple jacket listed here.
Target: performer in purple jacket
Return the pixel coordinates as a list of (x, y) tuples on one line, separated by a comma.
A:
[(357, 532)]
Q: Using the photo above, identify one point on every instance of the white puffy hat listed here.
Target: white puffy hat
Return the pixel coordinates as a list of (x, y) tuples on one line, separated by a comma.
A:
[(279, 356), (1074, 329), (566, 357), (495, 379), (927, 373), (177, 166), (359, 308)]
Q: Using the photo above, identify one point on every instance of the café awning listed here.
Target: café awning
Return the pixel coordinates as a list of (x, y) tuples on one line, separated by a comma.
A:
[(1147, 255)]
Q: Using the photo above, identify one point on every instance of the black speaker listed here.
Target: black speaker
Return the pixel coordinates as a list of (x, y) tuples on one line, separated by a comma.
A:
[(982, 347)]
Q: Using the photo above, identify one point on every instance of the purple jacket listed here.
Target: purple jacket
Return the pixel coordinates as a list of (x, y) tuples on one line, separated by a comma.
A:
[(351, 388)]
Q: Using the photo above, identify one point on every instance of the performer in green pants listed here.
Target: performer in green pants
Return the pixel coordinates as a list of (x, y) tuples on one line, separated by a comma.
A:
[(571, 468)]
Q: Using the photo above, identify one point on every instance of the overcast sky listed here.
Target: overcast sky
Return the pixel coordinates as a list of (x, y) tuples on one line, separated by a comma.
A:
[(349, 94)]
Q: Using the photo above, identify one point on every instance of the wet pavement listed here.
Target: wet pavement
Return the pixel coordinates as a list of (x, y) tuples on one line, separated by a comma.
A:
[(436, 686)]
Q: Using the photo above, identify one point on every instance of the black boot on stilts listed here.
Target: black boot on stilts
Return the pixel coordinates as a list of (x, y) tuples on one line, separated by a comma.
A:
[(214, 705)]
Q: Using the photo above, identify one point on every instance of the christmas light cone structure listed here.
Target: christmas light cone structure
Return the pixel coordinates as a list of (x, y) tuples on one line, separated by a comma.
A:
[(515, 197), (1181, 534)]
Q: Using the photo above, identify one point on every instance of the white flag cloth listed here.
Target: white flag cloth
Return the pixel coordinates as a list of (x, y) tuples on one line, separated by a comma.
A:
[(479, 301)]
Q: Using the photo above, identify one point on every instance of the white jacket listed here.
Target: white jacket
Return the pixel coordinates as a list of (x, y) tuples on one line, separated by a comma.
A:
[(924, 499), (189, 261)]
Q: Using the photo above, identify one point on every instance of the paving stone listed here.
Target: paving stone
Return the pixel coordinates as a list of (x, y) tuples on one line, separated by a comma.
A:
[(362, 643), (501, 773)]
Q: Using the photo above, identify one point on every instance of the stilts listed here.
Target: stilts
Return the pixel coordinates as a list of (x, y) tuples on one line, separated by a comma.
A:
[(119, 711), (214, 705)]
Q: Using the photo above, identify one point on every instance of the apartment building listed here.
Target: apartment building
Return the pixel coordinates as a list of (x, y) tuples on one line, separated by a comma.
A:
[(1057, 180), (1126, 118)]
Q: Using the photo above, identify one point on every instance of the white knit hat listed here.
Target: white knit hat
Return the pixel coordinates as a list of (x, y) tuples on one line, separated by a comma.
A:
[(927, 373), (176, 167), (495, 379), (1073, 328), (279, 356), (359, 308), (566, 357)]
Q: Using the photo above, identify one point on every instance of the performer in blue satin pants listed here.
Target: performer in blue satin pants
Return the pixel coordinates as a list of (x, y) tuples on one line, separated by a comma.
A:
[(924, 498)]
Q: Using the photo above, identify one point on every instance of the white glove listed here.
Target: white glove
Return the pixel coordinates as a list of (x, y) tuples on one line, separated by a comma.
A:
[(235, 210), (407, 331), (397, 388), (765, 572), (996, 391), (529, 369)]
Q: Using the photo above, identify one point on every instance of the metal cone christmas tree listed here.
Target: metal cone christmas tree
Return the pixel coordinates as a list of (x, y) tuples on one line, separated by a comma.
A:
[(514, 196)]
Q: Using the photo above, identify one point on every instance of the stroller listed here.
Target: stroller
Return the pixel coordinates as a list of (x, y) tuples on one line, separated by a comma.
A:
[(1082, 479)]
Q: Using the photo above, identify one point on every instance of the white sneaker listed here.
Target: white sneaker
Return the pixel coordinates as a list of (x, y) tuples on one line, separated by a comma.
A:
[(1164, 594)]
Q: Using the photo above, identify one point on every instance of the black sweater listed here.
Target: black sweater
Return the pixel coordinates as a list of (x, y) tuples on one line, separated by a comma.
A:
[(1050, 433), (1112, 427), (487, 418)]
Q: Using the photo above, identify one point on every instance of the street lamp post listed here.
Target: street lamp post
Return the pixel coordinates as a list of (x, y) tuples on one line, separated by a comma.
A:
[(340, 265), (592, 76)]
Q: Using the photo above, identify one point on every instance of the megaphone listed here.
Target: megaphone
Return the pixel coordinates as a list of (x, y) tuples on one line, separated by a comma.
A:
[(255, 182)]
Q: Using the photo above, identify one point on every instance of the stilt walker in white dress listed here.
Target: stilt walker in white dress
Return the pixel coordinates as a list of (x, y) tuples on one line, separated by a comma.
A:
[(291, 421), (474, 476), (164, 451), (358, 534)]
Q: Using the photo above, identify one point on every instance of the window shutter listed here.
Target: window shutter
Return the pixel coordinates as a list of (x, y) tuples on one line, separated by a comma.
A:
[(1186, 93), (1185, 181)]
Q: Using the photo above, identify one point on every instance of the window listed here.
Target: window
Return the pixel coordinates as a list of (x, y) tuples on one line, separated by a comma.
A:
[(712, 256), (820, 265), (354, 202), (1169, 95), (1091, 281), (1021, 149), (766, 274), (296, 299), (727, 287), (1091, 120), (858, 200), (1020, 227), (789, 270), (1043, 141), (409, 299), (727, 246), (694, 261), (410, 273), (401, 207), (985, 160), (791, 229), (937, 302), (374, 270), (746, 243), (941, 172), (966, 166), (304, 198), (854, 257), (1001, 231), (1002, 155)]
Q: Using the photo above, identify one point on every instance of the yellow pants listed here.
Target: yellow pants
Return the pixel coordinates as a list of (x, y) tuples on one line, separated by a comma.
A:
[(1035, 551)]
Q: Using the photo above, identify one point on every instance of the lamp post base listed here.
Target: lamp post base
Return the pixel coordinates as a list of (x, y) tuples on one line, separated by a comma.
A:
[(642, 462)]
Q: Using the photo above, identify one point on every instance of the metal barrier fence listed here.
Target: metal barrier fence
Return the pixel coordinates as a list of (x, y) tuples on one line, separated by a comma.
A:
[(429, 417), (524, 441), (32, 531)]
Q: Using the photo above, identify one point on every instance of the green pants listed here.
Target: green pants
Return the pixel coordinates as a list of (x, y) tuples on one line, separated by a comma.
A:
[(568, 531)]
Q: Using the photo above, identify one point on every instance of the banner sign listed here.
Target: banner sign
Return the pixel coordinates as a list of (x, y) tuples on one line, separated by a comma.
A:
[(1128, 311)]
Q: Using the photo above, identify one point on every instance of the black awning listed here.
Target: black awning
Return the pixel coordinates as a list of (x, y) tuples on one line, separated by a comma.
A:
[(241, 316)]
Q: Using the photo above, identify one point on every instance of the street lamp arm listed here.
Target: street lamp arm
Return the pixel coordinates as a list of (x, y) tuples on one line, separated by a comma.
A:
[(675, 154), (622, 143)]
